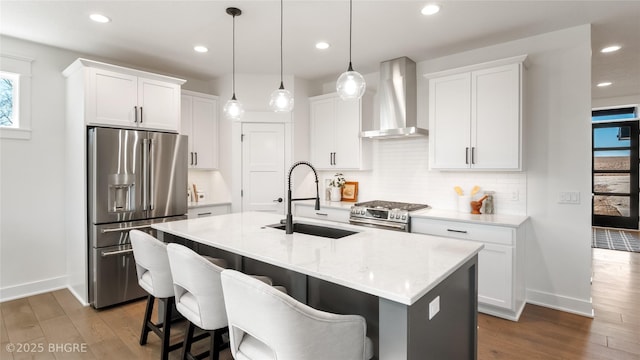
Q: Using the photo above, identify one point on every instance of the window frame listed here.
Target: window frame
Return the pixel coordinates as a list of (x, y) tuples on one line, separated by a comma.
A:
[(21, 67)]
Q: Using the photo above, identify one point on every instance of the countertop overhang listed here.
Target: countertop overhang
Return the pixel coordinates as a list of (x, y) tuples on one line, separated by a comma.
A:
[(397, 266)]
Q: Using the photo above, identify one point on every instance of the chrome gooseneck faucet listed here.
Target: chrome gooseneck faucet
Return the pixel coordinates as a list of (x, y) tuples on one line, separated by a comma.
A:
[(289, 220)]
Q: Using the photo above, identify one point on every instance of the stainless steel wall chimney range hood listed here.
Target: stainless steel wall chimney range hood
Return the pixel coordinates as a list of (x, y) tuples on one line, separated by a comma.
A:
[(397, 97)]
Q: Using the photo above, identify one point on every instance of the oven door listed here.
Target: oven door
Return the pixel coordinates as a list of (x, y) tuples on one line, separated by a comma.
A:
[(380, 224)]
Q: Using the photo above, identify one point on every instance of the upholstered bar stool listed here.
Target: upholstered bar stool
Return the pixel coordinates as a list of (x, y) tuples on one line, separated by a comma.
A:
[(154, 276), (199, 299), (265, 323)]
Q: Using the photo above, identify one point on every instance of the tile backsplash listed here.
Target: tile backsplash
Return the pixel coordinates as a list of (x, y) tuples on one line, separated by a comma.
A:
[(401, 173)]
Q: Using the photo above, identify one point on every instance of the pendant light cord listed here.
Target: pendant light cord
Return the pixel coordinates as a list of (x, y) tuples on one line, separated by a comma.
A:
[(233, 79), (350, 32), (281, 42)]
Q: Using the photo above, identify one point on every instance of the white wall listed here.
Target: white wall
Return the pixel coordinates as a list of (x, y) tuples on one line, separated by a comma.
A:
[(32, 240)]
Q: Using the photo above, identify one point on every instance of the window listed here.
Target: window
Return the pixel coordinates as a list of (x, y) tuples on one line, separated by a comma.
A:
[(9, 108), (15, 97)]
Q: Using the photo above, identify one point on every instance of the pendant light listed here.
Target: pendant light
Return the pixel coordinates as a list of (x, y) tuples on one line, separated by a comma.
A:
[(233, 109), (281, 99), (350, 84)]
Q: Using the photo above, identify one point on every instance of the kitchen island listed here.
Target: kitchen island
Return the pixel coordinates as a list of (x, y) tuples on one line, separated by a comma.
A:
[(424, 288)]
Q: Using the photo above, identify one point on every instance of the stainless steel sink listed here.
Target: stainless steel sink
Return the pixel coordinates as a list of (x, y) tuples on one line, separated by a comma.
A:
[(316, 230)]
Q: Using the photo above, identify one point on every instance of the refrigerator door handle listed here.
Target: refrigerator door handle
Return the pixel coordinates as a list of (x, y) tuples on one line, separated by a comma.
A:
[(145, 174), (152, 178)]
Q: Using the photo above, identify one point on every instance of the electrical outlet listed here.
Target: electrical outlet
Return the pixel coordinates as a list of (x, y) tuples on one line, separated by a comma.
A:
[(434, 307), (514, 195)]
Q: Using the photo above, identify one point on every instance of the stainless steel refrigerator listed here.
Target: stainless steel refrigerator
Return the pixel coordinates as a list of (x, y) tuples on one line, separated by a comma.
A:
[(135, 178)]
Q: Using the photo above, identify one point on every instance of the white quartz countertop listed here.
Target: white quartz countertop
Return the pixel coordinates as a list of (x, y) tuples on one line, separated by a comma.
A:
[(394, 265), (486, 219)]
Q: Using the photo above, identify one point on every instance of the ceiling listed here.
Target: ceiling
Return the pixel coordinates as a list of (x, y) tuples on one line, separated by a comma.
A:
[(161, 34)]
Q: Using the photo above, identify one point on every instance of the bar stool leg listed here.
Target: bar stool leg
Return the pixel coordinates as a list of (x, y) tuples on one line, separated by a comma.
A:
[(147, 319), (166, 327)]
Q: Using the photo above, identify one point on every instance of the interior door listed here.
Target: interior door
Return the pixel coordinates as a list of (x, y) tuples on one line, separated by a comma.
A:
[(615, 174), (263, 173)]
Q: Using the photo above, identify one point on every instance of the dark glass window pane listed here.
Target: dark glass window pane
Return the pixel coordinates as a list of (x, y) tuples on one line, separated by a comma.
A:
[(611, 137), (612, 160), (611, 205), (614, 183)]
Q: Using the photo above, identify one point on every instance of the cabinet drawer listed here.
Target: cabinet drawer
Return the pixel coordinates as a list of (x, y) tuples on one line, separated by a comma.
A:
[(329, 214), (212, 210), (460, 230)]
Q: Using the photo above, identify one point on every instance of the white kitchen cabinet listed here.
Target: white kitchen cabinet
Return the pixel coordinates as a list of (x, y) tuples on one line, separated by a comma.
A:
[(475, 117), (127, 98), (199, 121), (325, 213), (501, 284), (208, 210), (335, 132)]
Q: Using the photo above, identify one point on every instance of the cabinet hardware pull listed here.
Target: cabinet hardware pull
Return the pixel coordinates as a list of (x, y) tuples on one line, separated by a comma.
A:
[(322, 214), (334, 158), (466, 155), (473, 155), (135, 114), (196, 164), (191, 158), (119, 252), (141, 115), (457, 231), (105, 231), (204, 214)]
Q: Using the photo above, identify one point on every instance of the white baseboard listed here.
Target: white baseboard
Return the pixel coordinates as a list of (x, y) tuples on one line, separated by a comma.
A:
[(33, 288), (562, 303), (78, 297)]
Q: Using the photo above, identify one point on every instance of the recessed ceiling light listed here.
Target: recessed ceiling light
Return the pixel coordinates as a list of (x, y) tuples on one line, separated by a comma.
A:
[(322, 45), (430, 9), (604, 83), (200, 49), (99, 18), (611, 48)]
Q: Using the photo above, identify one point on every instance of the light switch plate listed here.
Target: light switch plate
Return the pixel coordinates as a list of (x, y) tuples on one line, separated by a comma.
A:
[(434, 307), (569, 197)]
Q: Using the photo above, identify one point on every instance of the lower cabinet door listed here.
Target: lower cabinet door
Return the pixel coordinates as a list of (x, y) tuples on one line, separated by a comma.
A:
[(495, 275)]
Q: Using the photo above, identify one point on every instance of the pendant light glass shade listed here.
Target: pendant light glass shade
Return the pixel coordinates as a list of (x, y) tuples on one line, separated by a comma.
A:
[(233, 109), (350, 84), (281, 99)]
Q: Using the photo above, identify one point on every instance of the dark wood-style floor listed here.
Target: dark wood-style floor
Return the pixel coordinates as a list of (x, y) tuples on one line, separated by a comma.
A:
[(56, 318)]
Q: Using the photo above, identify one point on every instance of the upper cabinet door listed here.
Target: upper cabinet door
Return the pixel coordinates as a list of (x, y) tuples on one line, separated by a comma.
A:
[(347, 135), (159, 104), (323, 113), (205, 132), (111, 98), (449, 121), (199, 121), (495, 114)]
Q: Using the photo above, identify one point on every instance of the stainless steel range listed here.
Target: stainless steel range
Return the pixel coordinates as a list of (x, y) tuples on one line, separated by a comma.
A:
[(384, 214)]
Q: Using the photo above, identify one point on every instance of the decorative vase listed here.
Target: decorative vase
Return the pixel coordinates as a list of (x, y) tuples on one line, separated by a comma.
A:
[(336, 193)]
